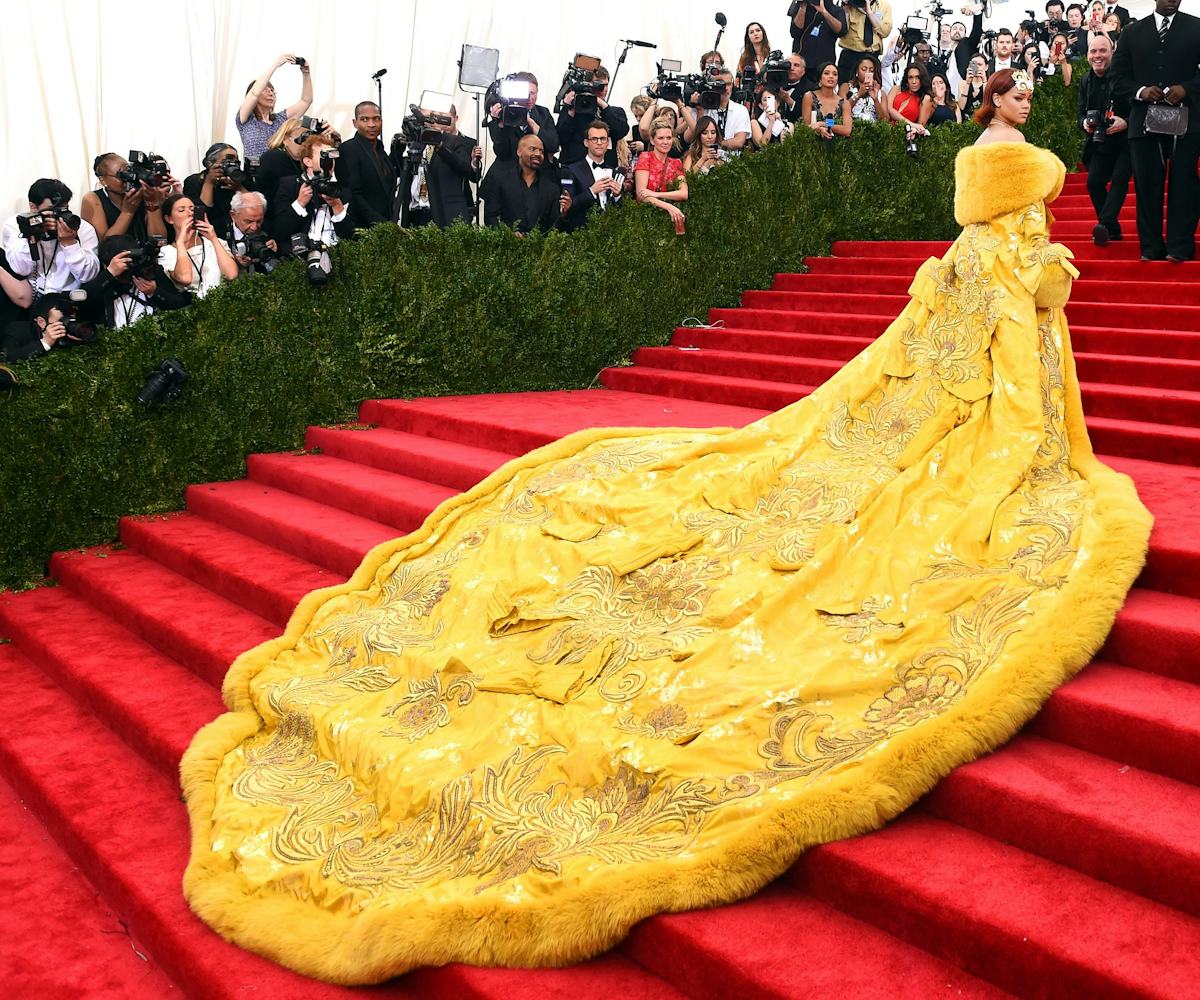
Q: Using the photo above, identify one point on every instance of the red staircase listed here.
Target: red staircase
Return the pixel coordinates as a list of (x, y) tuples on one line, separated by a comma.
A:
[(1067, 864)]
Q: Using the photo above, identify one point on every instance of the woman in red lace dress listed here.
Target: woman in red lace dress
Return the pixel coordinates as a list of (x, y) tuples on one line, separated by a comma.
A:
[(659, 176)]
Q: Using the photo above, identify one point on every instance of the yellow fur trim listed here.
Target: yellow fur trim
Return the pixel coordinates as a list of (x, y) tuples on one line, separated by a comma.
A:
[(999, 178)]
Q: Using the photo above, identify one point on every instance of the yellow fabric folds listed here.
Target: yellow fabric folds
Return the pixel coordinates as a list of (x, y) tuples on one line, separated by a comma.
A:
[(642, 670)]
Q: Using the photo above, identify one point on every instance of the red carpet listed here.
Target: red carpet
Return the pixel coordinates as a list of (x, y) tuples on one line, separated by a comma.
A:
[(1065, 865)]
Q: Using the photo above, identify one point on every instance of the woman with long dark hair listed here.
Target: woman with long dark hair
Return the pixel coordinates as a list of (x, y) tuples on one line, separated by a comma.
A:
[(823, 110), (705, 151), (864, 92), (945, 108), (755, 48), (910, 103)]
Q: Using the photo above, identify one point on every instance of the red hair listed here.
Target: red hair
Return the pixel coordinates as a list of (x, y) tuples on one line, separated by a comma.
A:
[(1000, 82)]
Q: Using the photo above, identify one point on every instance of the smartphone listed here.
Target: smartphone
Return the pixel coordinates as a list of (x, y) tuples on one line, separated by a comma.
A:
[(1058, 49), (199, 212), (769, 104)]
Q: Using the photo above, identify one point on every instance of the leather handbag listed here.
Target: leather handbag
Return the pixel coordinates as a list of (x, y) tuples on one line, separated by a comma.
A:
[(1166, 119)]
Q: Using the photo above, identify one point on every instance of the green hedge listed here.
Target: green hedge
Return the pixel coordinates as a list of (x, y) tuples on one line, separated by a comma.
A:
[(427, 312)]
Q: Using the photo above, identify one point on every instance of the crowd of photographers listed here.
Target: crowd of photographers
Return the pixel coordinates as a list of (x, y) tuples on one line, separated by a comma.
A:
[(145, 241)]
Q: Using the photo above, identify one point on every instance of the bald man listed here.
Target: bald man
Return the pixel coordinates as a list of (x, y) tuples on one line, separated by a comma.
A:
[(522, 193)]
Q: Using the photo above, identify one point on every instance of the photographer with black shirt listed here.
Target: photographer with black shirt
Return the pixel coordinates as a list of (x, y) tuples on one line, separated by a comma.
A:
[(539, 122), (323, 218), (816, 27), (1104, 118), (251, 247), (214, 186), (50, 245), (573, 125), (116, 208), (131, 284), (40, 334), (868, 23), (791, 94)]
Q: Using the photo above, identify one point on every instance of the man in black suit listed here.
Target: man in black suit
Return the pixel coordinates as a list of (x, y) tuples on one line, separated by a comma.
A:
[(596, 188), (440, 190), (1106, 157), (572, 126), (323, 219), (1156, 63), (37, 336), (539, 123), (366, 171), (521, 194)]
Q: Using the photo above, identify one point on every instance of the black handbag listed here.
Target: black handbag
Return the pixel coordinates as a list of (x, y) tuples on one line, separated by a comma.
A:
[(1166, 119)]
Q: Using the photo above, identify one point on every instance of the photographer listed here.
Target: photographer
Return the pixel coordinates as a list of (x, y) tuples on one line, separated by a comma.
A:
[(868, 23), (365, 169), (324, 218), (1002, 56), (792, 93), (1059, 65), (247, 212), (522, 193), (40, 334), (57, 250), (197, 260), (964, 45), (705, 152), (257, 119), (282, 158), (213, 187), (573, 127), (131, 284), (597, 184), (453, 168), (816, 27), (1031, 60), (970, 91), (732, 119), (1104, 118), (539, 123), (770, 126), (113, 209)]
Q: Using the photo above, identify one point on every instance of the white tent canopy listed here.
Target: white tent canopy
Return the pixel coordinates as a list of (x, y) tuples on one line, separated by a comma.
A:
[(82, 77)]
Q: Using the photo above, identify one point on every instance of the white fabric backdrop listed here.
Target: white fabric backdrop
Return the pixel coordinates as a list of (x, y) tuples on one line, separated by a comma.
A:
[(81, 77)]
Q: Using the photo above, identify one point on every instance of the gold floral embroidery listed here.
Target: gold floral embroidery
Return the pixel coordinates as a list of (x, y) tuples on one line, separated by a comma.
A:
[(326, 689), (864, 624), (665, 722), (426, 707)]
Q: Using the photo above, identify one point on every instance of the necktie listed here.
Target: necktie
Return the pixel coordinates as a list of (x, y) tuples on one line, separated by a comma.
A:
[(1162, 32), (868, 31)]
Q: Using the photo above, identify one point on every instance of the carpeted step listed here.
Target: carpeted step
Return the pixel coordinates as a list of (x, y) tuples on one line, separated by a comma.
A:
[(921, 249), (1096, 268), (303, 528), (1029, 925), (1079, 226), (1158, 633), (1085, 217), (521, 421), (739, 364), (797, 345), (47, 900), (688, 385), (396, 500), (782, 943), (122, 822), (1090, 290), (1158, 442), (258, 577), (93, 659), (1078, 200), (603, 978), (1137, 718), (185, 622), (1131, 828), (446, 463)]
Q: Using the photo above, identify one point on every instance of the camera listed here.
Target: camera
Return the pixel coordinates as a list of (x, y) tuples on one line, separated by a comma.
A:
[(144, 168), (79, 331), (317, 262), (300, 60), (164, 383), (911, 138), (232, 170), (321, 182), (744, 86), (857, 4), (915, 30), (707, 88), (775, 71), (143, 259), (1099, 122), (515, 98), (580, 77), (262, 257), (670, 83), (794, 9), (43, 224)]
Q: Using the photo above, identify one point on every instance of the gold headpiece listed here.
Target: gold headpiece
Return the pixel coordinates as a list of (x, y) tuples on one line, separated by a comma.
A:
[(1021, 81)]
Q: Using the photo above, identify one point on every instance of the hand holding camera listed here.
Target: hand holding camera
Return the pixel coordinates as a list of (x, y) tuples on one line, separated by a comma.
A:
[(120, 263), (67, 235), (205, 229), (305, 195), (147, 286), (53, 333)]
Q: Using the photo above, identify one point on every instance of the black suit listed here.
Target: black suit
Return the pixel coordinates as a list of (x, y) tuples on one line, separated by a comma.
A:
[(573, 130), (583, 202), (1142, 60), (1107, 161), (285, 222), (449, 175), (506, 137), (368, 177), (104, 290), (967, 47), (274, 166), (508, 199)]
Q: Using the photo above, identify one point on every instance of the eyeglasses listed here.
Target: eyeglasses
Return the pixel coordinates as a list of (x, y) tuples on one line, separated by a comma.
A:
[(597, 138)]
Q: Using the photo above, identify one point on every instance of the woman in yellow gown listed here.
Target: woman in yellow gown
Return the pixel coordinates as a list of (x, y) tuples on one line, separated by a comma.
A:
[(643, 670)]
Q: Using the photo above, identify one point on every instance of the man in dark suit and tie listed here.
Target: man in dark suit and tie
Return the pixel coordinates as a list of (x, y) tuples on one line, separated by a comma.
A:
[(595, 188), (1156, 63), (365, 169)]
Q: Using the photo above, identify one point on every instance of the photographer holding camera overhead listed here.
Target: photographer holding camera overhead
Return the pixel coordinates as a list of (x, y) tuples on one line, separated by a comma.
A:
[(213, 187), (367, 172), (313, 205), (131, 283), (514, 112), (586, 101), (816, 27), (129, 198), (868, 23), (50, 245), (1104, 118), (257, 119)]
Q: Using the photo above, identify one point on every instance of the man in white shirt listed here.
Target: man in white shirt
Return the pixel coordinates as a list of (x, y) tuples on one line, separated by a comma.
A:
[(732, 119), (65, 254)]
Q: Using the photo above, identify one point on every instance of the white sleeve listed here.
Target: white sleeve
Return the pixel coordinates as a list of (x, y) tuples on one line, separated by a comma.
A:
[(81, 256), (16, 249)]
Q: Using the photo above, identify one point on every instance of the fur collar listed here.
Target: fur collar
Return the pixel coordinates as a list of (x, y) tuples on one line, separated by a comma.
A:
[(1002, 177)]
